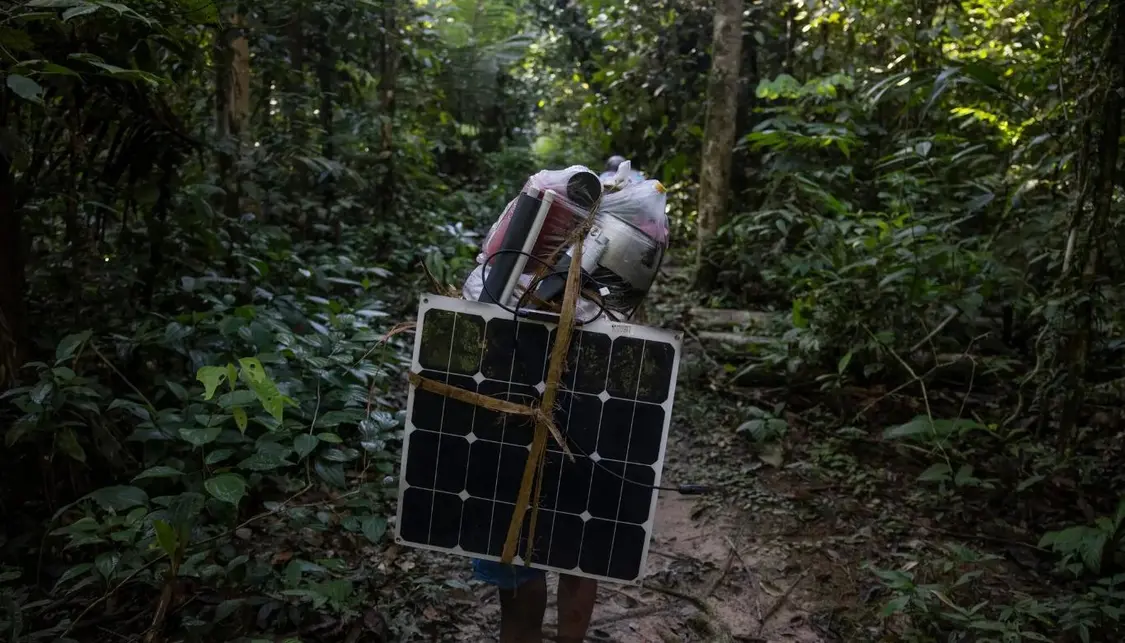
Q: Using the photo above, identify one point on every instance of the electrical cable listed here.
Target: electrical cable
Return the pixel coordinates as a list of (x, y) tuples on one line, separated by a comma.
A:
[(684, 489), (484, 279), (517, 312), (602, 310)]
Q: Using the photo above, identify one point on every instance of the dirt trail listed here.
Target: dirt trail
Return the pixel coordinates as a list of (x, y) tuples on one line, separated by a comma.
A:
[(690, 554), (690, 550)]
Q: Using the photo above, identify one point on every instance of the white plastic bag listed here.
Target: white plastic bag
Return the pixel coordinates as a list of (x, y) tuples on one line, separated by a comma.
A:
[(622, 177), (642, 204)]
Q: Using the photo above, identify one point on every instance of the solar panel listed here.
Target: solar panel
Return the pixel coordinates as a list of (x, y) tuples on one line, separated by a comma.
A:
[(462, 464)]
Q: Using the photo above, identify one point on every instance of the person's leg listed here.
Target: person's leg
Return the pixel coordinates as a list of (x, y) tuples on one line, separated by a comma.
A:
[(523, 599), (521, 611), (577, 596)]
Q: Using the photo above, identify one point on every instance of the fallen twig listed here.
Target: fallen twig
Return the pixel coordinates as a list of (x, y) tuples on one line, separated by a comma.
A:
[(779, 602), (722, 574), (920, 379), (167, 593), (151, 408), (940, 327), (702, 605), (675, 593), (110, 592), (117, 635), (985, 537), (702, 347), (630, 615), (749, 576), (673, 555)]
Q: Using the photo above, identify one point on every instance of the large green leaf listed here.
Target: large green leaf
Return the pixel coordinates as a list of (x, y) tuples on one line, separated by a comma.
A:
[(68, 444), (55, 4), (69, 344), (106, 564), (218, 455), (159, 471), (332, 473), (80, 10), (374, 527), (335, 418), (14, 40), (240, 420), (119, 498), (264, 462), (212, 377), (304, 444), (25, 88), (42, 391), (254, 374), (923, 427), (200, 11), (938, 472), (228, 607), (129, 405), (228, 487), (72, 573), (166, 537), (200, 437)]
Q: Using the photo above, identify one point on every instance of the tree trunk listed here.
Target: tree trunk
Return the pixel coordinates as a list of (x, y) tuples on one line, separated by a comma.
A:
[(232, 105), (747, 163), (12, 328), (1081, 266), (719, 133), (387, 78), (326, 78)]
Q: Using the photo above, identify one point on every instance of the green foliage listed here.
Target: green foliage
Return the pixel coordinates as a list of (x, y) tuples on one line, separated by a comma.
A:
[(1089, 546), (197, 319), (937, 608), (206, 402), (763, 426)]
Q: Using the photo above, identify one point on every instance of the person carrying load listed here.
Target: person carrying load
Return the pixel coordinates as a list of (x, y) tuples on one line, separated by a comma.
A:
[(622, 251)]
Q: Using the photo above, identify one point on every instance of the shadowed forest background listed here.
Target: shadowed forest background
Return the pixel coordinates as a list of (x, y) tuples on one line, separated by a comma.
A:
[(897, 253)]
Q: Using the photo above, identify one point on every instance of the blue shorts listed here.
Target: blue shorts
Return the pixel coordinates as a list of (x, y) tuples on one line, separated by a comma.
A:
[(506, 577)]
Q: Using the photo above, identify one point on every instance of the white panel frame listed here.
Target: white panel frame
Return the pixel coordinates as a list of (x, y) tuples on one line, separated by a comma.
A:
[(612, 328)]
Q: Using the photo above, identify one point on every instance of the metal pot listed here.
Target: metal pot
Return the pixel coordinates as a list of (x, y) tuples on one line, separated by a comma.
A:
[(623, 259)]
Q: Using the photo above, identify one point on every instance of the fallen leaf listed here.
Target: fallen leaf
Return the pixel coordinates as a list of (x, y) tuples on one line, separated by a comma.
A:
[(281, 557), (770, 588), (375, 623), (773, 455), (391, 554), (462, 596)]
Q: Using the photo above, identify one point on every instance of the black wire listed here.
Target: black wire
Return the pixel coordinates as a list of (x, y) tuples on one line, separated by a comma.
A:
[(602, 310), (517, 312), (484, 279), (598, 463)]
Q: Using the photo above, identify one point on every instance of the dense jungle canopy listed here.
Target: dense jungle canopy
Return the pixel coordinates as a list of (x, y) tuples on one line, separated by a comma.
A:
[(897, 260)]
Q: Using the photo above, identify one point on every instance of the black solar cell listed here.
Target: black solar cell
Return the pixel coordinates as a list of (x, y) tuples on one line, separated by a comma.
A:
[(463, 464)]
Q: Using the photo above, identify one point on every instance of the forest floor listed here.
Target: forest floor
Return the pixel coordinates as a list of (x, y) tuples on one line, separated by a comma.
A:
[(764, 557)]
